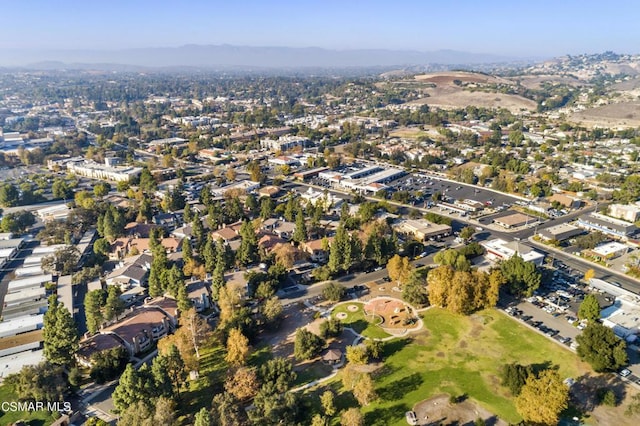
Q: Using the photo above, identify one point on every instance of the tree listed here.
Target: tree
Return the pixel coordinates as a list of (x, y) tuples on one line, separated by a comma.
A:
[(543, 398), (60, 189), (237, 347), (399, 269), (101, 189), (101, 246), (108, 364), (226, 411), (203, 418), (363, 390), (277, 373), (589, 275), (521, 277), (133, 386), (60, 334), (272, 310), (514, 376), (352, 417), (147, 182), (138, 413), (114, 305), (589, 308), (300, 232), (63, 261), (93, 303), (415, 290), (170, 361), (266, 207), (17, 222), (331, 328), (318, 420), (165, 412), (307, 345), (600, 347), (327, 399), (357, 354), (634, 406), (9, 195), (242, 383), (467, 232), (453, 258), (334, 292), (41, 382), (285, 254), (247, 252)]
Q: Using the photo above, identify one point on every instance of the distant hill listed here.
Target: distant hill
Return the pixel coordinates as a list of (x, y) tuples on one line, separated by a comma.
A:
[(227, 56)]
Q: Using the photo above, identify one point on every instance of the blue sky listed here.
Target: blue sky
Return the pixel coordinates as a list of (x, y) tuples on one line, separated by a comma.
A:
[(509, 27)]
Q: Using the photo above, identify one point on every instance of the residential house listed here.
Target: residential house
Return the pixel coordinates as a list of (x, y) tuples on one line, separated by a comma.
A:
[(315, 250), (131, 273)]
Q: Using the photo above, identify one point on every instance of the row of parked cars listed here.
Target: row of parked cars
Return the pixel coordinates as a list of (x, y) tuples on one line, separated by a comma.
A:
[(517, 313)]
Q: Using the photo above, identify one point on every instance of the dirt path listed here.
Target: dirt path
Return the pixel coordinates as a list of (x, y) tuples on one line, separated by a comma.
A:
[(438, 411)]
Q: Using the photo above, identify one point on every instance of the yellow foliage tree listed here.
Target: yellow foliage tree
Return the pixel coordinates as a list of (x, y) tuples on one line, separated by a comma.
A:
[(399, 269), (237, 348), (542, 399)]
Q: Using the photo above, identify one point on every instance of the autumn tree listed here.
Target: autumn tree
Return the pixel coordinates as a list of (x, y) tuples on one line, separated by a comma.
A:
[(589, 275), (242, 383), (543, 398), (327, 399), (363, 390), (272, 310), (286, 254), (399, 269), (352, 417), (237, 347)]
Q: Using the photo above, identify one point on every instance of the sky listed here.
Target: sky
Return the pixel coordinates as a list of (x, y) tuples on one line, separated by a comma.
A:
[(518, 28)]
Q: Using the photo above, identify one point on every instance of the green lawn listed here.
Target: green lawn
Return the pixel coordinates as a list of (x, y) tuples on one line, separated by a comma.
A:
[(36, 418), (358, 322), (460, 355)]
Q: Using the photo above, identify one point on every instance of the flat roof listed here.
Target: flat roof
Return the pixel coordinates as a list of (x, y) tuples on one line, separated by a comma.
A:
[(561, 232), (515, 219), (14, 363), (609, 248), (9, 327)]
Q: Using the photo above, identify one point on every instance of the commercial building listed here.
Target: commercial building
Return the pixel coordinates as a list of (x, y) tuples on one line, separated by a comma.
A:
[(607, 225), (285, 143), (515, 220), (91, 169), (623, 317), (629, 213), (608, 251), (560, 232), (499, 250), (422, 230)]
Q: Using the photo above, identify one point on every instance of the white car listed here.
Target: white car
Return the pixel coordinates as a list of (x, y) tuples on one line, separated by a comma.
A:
[(626, 372), (411, 417)]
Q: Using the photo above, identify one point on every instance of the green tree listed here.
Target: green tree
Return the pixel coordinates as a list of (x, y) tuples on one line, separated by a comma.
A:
[(101, 189), (266, 207), (543, 398), (114, 305), (247, 252), (521, 277), (453, 258), (108, 364), (300, 233), (9, 195), (307, 345), (331, 328), (589, 308), (41, 382), (514, 376), (134, 386), (467, 232), (277, 373), (60, 334), (101, 246), (415, 290), (333, 292), (272, 310), (60, 189), (203, 418), (63, 261), (327, 399), (600, 347), (93, 303), (147, 182)]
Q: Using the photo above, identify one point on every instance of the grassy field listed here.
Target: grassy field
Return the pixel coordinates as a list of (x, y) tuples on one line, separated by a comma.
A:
[(459, 355), (358, 322), (36, 418)]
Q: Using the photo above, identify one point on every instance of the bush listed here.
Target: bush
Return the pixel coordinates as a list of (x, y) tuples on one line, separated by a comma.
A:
[(331, 328), (607, 397)]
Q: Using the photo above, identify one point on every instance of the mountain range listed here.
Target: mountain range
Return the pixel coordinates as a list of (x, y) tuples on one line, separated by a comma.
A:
[(228, 56)]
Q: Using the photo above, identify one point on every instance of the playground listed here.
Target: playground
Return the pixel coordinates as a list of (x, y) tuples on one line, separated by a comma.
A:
[(393, 313)]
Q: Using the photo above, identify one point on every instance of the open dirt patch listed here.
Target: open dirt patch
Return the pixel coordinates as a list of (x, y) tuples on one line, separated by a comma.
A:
[(438, 410)]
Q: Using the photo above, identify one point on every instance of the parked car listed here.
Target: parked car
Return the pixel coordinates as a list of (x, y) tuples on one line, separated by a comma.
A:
[(411, 417), (626, 372)]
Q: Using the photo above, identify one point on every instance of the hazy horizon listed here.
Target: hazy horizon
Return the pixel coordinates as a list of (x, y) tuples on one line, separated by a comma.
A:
[(512, 29)]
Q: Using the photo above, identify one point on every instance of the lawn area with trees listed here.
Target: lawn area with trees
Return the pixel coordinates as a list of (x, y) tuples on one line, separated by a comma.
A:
[(458, 355)]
